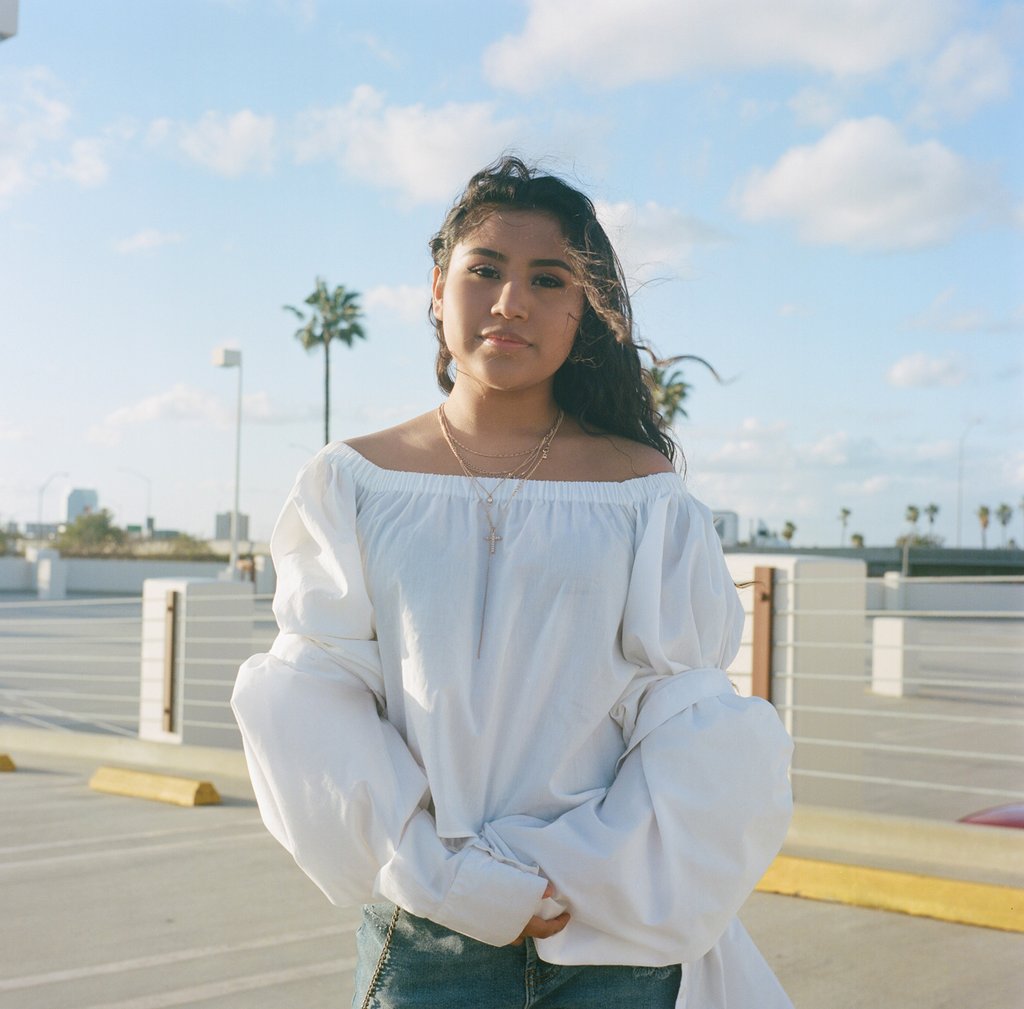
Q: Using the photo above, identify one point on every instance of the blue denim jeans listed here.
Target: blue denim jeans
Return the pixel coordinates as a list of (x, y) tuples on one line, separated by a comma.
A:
[(427, 966)]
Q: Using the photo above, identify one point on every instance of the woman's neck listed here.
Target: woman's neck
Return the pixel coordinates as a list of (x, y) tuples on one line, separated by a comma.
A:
[(495, 416)]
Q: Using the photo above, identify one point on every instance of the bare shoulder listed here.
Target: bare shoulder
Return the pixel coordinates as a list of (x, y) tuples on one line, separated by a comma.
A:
[(412, 445), (612, 458), (642, 460)]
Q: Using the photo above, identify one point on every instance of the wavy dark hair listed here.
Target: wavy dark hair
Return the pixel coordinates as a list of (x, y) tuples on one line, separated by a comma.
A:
[(603, 383)]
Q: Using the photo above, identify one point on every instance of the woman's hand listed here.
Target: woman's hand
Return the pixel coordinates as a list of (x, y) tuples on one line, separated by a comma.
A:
[(543, 928)]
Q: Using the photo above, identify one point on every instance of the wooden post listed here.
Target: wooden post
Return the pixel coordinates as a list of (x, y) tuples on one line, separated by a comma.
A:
[(170, 657), (764, 611)]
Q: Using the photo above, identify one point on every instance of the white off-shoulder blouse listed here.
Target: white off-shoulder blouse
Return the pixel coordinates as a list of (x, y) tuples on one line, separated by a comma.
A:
[(596, 741)]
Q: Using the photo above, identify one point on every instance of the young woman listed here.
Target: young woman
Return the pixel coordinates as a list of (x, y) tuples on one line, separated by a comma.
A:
[(496, 712)]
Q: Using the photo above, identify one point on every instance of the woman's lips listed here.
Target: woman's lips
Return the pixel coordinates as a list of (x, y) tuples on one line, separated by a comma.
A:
[(506, 341)]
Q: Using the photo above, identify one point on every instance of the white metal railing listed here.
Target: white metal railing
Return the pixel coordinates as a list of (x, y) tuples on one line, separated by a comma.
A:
[(904, 710), (75, 664), (929, 721), (71, 664)]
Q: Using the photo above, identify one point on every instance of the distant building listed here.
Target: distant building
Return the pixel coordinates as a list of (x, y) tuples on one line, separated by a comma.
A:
[(82, 502), (222, 527), (8, 18), (727, 525)]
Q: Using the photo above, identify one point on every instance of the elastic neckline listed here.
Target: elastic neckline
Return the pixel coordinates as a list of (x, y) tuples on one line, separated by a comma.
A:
[(636, 489)]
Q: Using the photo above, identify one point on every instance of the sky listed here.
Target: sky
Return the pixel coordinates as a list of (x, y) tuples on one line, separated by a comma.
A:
[(823, 198)]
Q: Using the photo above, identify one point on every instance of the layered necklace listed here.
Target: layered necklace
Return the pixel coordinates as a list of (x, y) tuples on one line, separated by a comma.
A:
[(526, 463)]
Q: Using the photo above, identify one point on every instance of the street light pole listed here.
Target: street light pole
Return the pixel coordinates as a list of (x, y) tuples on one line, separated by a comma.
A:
[(39, 511), (224, 357)]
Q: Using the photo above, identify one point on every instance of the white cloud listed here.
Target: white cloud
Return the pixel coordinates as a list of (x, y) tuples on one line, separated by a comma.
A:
[(872, 486), (864, 185), (755, 445), (942, 315), (34, 136), (147, 240), (426, 154), (971, 71), (830, 450), (185, 404), (651, 238), (920, 371), (935, 451), (814, 107), (407, 301), (609, 44), (180, 403), (228, 145), (87, 166)]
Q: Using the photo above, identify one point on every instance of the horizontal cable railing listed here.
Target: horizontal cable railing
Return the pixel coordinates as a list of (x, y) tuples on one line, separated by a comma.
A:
[(917, 709), (71, 664), (76, 664)]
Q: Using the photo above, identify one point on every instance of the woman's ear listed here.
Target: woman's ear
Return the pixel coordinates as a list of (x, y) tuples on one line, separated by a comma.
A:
[(437, 291)]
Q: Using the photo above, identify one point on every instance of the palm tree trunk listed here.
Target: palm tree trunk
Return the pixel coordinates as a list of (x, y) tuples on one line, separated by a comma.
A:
[(327, 391)]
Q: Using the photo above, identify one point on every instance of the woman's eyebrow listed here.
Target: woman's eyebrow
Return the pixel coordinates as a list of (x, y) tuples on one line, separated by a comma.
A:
[(501, 258)]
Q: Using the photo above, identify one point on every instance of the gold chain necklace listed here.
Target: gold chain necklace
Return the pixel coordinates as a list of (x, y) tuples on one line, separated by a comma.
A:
[(486, 497), (490, 455)]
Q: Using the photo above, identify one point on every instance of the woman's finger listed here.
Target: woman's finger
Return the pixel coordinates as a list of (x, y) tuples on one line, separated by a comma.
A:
[(542, 928)]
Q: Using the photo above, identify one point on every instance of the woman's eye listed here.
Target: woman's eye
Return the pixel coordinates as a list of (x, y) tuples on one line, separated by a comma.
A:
[(485, 271), (549, 280)]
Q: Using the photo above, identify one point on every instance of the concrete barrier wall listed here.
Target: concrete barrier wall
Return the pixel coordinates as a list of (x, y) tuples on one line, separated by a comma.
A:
[(17, 574), (126, 575), (895, 592)]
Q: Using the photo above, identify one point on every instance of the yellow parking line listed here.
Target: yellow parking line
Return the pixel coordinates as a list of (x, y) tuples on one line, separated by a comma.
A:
[(967, 903)]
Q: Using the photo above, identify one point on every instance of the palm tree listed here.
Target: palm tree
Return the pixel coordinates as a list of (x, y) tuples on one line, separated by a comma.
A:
[(857, 540), (931, 511), (669, 389), (335, 315), (912, 515), (983, 514), (844, 517), (787, 533), (1004, 513)]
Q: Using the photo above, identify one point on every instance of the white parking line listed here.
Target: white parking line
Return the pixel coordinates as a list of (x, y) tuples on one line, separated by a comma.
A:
[(143, 849), (171, 957), (78, 842), (231, 986)]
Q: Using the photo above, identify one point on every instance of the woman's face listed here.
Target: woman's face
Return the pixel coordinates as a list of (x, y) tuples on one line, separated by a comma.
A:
[(508, 304)]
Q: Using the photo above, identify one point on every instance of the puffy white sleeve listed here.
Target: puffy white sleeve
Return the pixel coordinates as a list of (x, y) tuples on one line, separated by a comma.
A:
[(654, 870), (335, 782)]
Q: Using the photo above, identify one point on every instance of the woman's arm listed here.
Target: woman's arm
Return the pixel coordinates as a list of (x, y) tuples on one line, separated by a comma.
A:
[(656, 867), (335, 782)]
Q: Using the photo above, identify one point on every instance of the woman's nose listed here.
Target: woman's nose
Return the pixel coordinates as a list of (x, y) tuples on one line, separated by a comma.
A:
[(511, 303)]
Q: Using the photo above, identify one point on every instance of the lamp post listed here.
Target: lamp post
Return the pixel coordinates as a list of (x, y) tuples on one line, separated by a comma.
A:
[(149, 497), (960, 476), (39, 512), (225, 357)]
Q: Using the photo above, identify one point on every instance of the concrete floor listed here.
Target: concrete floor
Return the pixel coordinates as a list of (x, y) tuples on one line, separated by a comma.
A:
[(127, 904)]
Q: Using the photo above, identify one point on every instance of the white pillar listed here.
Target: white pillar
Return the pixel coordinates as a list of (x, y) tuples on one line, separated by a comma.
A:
[(51, 575), (214, 636)]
